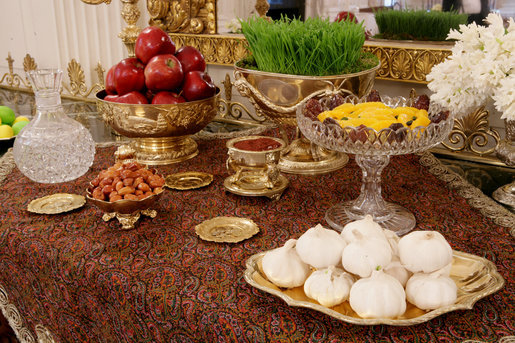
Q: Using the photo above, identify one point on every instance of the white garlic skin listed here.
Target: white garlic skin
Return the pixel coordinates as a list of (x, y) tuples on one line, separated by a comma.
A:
[(362, 256), (424, 251), (429, 292), (283, 267), (397, 270), (378, 296), (320, 247), (366, 226), (330, 286)]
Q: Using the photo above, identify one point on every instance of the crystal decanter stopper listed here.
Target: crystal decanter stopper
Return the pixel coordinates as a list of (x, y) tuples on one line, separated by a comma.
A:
[(53, 147)]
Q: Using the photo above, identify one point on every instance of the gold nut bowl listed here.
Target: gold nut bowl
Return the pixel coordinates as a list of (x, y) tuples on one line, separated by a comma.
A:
[(160, 133), (126, 211)]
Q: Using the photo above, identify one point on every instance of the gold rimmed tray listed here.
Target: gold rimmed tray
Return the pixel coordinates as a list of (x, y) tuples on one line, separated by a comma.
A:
[(56, 203), (475, 277), (226, 229), (249, 188), (188, 180)]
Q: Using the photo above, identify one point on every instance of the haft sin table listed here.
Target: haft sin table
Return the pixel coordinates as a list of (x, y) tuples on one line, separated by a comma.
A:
[(73, 277)]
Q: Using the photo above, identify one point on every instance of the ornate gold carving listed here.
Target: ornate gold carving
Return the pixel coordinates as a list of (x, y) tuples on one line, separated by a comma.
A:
[(187, 16), (29, 63), (405, 63), (77, 78), (12, 79), (131, 14), (473, 133), (217, 49), (100, 74)]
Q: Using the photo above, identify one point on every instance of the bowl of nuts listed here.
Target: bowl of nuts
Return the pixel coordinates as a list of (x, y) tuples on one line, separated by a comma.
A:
[(125, 191)]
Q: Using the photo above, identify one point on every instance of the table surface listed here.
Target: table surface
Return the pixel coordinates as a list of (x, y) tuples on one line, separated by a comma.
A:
[(78, 278), (74, 277)]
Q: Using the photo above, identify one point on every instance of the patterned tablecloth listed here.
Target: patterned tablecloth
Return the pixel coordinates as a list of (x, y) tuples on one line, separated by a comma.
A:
[(75, 278)]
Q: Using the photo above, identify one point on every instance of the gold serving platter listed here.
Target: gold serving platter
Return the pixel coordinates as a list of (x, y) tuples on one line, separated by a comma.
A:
[(56, 203), (226, 229), (475, 277), (188, 180)]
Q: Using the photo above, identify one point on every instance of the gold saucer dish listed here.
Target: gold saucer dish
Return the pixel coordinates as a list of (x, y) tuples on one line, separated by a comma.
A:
[(188, 180), (56, 203), (160, 133), (255, 173), (475, 277), (126, 211), (249, 187), (226, 229), (278, 96)]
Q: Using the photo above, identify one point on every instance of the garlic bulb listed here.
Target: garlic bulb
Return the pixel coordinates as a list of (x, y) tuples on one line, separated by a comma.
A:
[(431, 291), (329, 286), (378, 296), (283, 267), (397, 270), (320, 247), (366, 226), (393, 240), (364, 254), (424, 251)]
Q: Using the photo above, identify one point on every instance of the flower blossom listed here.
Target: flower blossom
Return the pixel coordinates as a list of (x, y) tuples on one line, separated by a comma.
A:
[(481, 66)]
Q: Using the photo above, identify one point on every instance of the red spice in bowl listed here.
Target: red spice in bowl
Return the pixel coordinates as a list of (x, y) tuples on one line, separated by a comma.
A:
[(257, 144)]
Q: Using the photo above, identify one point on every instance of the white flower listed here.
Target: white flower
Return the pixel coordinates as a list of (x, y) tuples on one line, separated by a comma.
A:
[(481, 65)]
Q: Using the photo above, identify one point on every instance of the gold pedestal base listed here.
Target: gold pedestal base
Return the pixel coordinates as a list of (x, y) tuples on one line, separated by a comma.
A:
[(164, 150), (304, 157), (128, 220)]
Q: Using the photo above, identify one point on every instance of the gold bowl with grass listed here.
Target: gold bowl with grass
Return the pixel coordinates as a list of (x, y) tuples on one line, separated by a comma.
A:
[(278, 96)]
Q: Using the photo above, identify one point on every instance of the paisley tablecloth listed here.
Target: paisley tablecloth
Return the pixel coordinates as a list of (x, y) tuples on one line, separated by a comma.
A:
[(74, 278)]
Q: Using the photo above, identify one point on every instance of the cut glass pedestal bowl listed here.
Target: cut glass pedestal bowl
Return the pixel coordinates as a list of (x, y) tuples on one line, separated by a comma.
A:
[(372, 151)]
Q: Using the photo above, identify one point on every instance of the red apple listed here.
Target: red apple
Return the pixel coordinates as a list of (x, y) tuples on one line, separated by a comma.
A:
[(132, 98), (153, 41), (198, 85), (110, 87), (163, 73), (344, 15), (112, 98), (191, 59), (129, 76), (165, 97)]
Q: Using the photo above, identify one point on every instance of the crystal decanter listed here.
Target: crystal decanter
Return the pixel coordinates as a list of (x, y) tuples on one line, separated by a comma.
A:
[(53, 147)]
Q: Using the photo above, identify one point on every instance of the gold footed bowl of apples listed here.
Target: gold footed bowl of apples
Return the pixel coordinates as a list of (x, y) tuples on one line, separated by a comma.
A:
[(159, 98)]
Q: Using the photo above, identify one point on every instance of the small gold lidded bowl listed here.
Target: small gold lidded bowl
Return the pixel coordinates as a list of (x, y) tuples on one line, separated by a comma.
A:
[(253, 163)]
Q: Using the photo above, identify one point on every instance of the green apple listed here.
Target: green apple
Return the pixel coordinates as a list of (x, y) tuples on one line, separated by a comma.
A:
[(7, 115), (18, 126)]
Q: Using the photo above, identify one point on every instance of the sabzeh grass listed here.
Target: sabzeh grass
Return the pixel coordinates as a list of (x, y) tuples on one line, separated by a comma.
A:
[(417, 24), (314, 47)]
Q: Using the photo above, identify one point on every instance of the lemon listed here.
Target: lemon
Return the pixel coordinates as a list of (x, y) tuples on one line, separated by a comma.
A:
[(6, 131), (18, 126), (20, 118), (7, 115)]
